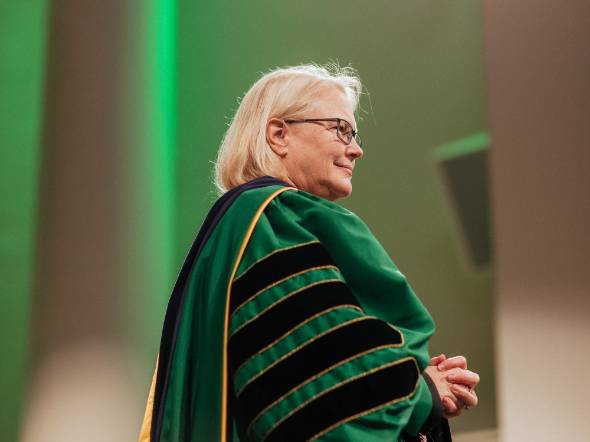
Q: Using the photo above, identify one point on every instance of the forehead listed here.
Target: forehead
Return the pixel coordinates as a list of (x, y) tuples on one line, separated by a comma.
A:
[(333, 102)]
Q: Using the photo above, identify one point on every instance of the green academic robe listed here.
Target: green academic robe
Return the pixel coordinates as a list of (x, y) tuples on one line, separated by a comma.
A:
[(289, 321)]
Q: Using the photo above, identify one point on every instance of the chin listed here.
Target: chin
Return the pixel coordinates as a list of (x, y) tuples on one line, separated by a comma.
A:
[(340, 189)]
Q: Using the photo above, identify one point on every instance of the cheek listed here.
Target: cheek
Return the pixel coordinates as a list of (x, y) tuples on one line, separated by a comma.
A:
[(327, 167), (333, 175)]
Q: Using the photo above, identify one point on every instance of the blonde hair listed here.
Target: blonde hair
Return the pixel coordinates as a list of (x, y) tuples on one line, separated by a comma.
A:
[(281, 93)]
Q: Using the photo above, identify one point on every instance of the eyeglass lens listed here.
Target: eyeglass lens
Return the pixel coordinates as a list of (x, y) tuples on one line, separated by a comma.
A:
[(345, 130)]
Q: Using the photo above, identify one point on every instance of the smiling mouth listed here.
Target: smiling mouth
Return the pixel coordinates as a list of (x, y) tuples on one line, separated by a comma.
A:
[(347, 168)]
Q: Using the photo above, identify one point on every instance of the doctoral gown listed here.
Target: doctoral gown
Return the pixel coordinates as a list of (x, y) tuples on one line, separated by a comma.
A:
[(290, 322)]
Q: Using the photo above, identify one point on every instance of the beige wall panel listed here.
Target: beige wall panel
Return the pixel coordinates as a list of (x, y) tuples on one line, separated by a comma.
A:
[(538, 68)]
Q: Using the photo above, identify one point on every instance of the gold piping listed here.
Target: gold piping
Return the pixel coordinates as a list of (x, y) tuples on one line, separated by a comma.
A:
[(399, 331), (273, 252), (362, 375), (356, 307), (369, 411), (317, 375), (299, 347), (280, 281), (247, 236), (285, 297)]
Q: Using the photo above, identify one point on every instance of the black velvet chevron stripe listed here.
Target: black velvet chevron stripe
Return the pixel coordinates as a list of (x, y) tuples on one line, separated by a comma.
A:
[(362, 395), (284, 316), (325, 352), (275, 267)]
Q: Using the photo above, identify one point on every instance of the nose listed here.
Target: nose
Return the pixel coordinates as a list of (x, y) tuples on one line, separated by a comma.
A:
[(354, 151)]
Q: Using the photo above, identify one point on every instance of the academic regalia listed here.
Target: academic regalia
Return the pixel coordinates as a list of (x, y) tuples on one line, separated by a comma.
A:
[(290, 322)]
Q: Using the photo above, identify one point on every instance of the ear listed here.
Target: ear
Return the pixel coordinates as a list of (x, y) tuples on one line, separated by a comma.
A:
[(276, 136)]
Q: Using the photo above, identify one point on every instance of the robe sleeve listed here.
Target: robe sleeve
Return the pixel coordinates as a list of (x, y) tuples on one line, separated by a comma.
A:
[(306, 361)]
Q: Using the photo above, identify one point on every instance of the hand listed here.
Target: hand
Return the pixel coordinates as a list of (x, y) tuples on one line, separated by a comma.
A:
[(462, 381), (439, 378)]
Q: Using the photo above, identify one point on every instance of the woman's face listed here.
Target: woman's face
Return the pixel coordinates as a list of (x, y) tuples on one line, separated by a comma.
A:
[(316, 160)]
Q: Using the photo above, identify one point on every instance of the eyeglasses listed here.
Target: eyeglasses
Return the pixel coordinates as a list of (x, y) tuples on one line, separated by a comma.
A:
[(344, 129)]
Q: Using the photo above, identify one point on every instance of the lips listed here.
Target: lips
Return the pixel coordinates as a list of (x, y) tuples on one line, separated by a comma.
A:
[(346, 167)]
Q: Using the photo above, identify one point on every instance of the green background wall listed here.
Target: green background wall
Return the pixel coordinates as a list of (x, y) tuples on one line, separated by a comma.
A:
[(22, 45)]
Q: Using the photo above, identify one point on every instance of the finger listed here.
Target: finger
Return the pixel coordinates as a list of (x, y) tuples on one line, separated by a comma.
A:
[(454, 362), (469, 397), (450, 408), (437, 359), (465, 377)]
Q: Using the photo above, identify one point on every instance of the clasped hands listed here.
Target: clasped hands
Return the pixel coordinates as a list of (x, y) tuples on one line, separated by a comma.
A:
[(454, 382)]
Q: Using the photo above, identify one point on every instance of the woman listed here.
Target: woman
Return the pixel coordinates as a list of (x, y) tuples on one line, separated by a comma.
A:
[(288, 320)]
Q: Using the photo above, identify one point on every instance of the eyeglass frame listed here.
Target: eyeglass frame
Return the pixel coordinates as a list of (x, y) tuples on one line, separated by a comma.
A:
[(354, 133)]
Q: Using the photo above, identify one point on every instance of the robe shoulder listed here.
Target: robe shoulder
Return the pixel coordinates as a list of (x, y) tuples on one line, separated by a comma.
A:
[(327, 339)]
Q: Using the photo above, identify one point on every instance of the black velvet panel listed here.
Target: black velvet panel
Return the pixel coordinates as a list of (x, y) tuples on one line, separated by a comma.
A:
[(284, 316), (325, 352), (275, 267), (359, 396)]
